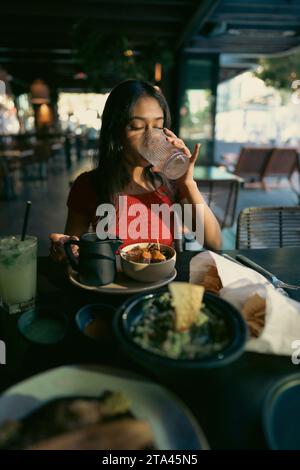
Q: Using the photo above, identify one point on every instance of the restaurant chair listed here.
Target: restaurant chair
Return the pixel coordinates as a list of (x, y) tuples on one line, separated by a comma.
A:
[(35, 167), (57, 160), (282, 163), (268, 227), (252, 162), (13, 155), (6, 182)]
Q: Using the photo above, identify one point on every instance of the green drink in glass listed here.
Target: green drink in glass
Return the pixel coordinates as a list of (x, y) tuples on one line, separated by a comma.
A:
[(18, 273)]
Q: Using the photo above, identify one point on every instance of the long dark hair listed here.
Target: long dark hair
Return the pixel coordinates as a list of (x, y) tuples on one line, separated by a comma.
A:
[(111, 175)]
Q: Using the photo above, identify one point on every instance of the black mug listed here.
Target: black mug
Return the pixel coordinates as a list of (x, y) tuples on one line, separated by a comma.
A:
[(96, 264)]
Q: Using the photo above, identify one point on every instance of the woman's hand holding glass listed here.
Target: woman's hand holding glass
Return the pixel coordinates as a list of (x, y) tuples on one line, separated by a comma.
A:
[(188, 177)]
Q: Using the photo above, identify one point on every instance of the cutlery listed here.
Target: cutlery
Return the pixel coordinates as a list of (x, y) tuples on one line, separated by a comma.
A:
[(225, 255), (279, 289), (273, 279)]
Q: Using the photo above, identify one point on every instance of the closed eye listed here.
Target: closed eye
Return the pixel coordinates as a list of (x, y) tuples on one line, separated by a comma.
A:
[(134, 128)]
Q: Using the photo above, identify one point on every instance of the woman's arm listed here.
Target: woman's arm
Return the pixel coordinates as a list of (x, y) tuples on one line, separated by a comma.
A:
[(212, 232), (80, 200), (191, 194), (76, 224)]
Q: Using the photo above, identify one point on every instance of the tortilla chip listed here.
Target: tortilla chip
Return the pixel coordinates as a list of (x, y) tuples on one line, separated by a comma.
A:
[(187, 300), (255, 330), (211, 280), (254, 312)]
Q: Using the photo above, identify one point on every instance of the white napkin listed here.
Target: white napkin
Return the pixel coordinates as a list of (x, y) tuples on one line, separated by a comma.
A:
[(282, 321)]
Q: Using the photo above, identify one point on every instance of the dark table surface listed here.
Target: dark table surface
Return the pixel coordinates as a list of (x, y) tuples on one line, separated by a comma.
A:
[(227, 402)]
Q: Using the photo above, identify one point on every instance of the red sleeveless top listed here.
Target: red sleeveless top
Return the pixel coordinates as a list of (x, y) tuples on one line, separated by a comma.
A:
[(134, 216)]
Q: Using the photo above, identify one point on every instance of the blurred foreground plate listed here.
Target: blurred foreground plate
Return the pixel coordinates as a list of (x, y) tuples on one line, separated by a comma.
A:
[(281, 414), (173, 425), (123, 284)]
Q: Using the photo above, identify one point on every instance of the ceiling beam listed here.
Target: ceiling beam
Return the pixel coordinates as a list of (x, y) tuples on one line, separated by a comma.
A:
[(264, 27), (169, 3), (242, 45), (67, 29), (81, 10), (255, 51), (197, 19), (259, 8), (32, 50), (255, 18), (37, 60), (259, 3), (244, 39)]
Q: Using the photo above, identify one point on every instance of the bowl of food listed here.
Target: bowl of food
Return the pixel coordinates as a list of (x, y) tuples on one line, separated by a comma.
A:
[(180, 328), (148, 262)]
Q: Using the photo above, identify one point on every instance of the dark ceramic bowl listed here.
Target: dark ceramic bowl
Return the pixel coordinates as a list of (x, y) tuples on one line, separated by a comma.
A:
[(94, 321), (131, 311), (281, 414), (43, 326)]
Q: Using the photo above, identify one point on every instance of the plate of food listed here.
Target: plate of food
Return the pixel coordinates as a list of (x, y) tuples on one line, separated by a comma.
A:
[(122, 285), (88, 407), (180, 327), (143, 267), (148, 262)]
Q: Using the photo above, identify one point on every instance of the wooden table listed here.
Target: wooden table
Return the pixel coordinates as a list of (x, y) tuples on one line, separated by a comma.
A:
[(227, 402)]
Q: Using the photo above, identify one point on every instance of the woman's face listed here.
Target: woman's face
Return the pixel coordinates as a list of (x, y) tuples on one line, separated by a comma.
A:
[(145, 115)]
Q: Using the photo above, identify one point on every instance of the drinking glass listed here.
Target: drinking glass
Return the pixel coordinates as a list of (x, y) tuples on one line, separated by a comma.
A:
[(18, 271), (167, 158)]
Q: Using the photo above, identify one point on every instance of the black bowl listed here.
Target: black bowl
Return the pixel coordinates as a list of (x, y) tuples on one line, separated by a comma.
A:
[(130, 313), (281, 414), (101, 312)]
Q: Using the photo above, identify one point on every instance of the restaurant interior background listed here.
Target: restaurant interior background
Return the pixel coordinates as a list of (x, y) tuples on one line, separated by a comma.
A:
[(229, 69), (216, 351)]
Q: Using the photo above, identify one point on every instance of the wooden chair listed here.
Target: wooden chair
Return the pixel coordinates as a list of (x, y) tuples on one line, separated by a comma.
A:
[(282, 163), (252, 162), (268, 227)]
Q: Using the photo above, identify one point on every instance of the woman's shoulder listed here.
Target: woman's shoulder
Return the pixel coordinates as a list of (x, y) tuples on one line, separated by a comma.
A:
[(85, 179), (83, 197)]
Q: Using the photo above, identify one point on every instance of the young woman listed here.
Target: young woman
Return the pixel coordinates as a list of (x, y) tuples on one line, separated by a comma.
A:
[(132, 108)]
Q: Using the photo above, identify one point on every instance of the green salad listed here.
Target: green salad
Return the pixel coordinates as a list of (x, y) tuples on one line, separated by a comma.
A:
[(155, 331)]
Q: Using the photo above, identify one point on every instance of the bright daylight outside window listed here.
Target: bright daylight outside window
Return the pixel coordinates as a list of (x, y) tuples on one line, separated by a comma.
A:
[(249, 111), (81, 112)]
